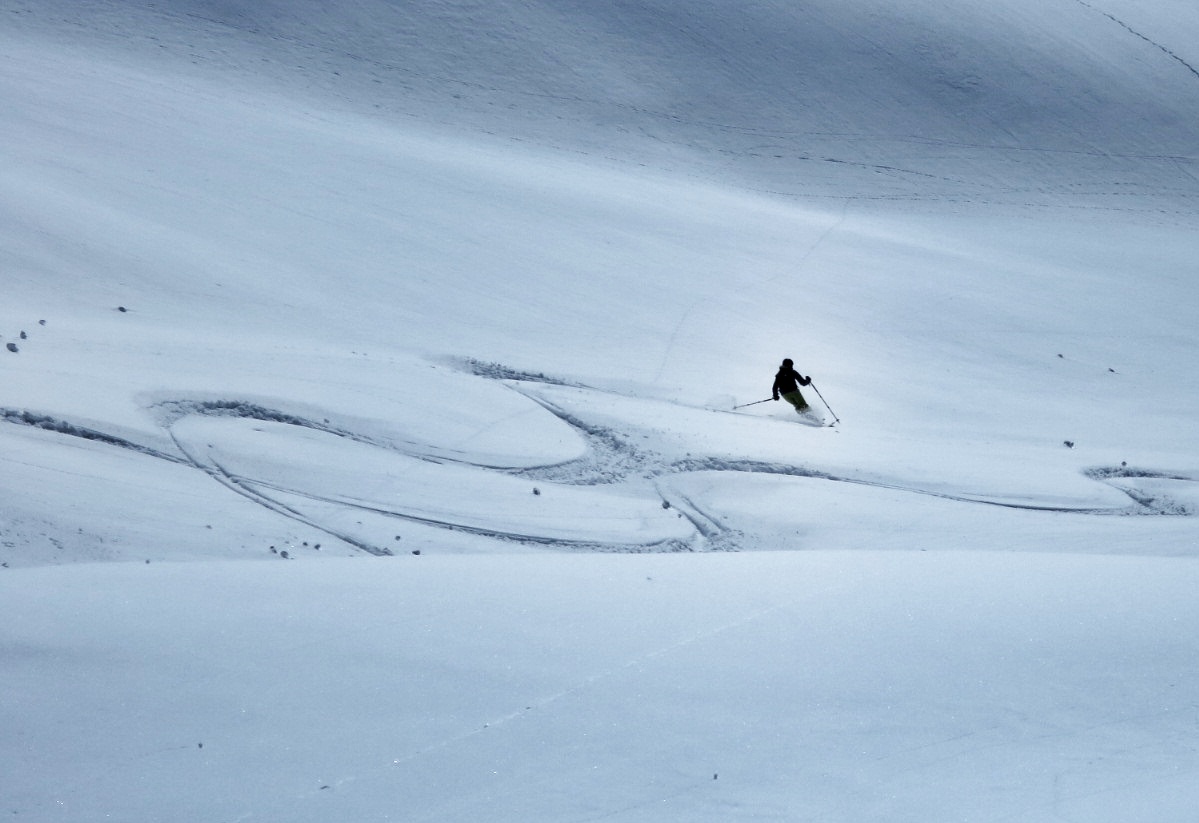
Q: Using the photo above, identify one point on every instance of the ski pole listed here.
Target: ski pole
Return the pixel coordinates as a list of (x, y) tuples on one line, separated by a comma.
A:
[(756, 402), (825, 402)]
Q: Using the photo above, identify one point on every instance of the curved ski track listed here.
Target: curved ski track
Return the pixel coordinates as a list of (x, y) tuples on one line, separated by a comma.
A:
[(610, 459)]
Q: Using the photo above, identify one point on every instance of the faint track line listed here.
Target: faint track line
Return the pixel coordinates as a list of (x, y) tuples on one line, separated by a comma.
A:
[(1160, 47)]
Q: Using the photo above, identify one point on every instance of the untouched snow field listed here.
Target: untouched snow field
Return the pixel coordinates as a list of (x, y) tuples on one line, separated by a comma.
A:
[(768, 686), (368, 447)]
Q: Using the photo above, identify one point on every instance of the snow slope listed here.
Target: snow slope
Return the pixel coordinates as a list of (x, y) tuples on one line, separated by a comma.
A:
[(823, 685), (364, 285)]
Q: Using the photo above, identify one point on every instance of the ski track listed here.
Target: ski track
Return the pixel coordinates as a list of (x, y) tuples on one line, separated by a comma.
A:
[(1159, 46), (536, 705), (610, 459)]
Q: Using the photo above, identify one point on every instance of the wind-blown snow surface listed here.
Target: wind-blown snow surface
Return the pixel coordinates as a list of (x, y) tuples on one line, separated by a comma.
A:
[(359, 286)]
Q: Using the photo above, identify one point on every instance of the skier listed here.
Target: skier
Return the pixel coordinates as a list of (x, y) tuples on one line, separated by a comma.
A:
[(787, 383)]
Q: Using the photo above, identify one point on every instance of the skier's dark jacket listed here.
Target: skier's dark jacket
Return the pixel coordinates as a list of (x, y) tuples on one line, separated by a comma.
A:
[(788, 380)]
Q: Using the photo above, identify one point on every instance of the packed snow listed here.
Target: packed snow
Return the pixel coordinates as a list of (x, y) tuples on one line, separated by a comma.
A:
[(386, 429)]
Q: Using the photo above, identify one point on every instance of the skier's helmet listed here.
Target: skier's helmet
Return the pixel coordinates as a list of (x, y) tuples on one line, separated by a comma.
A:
[(787, 362)]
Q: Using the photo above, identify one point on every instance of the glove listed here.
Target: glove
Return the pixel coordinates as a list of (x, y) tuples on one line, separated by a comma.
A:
[(776, 397)]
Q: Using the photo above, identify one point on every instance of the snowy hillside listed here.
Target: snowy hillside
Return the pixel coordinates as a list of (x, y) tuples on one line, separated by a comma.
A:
[(440, 312)]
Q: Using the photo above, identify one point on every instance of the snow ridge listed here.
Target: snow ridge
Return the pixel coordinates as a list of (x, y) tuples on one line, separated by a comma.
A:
[(46, 422)]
